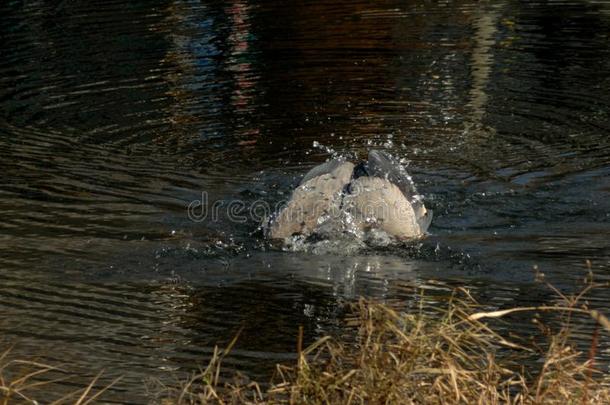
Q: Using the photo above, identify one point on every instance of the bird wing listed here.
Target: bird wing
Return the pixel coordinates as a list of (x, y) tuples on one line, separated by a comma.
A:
[(319, 194), (329, 167), (381, 164)]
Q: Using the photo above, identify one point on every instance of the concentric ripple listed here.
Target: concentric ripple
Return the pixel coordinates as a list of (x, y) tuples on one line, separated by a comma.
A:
[(116, 116)]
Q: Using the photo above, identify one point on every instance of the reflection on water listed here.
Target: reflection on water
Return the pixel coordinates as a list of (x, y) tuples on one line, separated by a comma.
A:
[(114, 117), (485, 27)]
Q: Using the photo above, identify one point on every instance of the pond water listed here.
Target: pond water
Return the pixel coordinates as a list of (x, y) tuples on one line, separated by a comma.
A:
[(114, 117)]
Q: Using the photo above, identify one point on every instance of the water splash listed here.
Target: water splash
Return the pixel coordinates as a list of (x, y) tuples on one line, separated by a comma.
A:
[(325, 148)]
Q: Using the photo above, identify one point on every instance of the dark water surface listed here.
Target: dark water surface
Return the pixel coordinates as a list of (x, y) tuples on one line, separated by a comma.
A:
[(115, 115)]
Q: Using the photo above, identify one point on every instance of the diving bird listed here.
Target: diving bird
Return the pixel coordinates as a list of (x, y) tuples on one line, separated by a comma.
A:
[(375, 194)]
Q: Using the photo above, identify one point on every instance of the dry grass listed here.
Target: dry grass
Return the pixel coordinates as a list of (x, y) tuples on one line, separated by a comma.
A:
[(393, 357), (402, 358), (20, 381)]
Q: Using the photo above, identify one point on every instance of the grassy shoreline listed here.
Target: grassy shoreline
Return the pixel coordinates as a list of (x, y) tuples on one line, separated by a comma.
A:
[(392, 357), (402, 358)]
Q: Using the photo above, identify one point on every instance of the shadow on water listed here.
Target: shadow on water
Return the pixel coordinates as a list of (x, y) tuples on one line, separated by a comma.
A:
[(114, 117)]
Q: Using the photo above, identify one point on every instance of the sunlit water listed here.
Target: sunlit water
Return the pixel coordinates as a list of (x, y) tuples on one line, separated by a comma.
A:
[(115, 117)]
